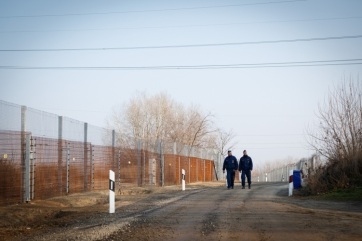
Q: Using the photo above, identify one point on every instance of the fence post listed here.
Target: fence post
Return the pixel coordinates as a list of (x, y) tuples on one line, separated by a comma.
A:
[(32, 167), (143, 162), (60, 153), (27, 169), (139, 163), (85, 161), (290, 182), (68, 164), (119, 171), (179, 162), (204, 171), (189, 170), (217, 178), (92, 165), (23, 152), (162, 162)]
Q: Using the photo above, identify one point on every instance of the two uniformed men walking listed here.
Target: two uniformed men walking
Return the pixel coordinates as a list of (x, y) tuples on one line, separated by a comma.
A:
[(231, 165)]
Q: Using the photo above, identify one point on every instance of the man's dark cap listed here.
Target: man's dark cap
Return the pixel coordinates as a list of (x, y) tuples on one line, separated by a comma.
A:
[(229, 151)]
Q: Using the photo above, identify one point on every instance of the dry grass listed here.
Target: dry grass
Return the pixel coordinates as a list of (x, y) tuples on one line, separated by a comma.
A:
[(336, 175)]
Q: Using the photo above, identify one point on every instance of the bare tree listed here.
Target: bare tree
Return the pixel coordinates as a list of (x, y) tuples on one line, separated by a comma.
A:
[(159, 118), (225, 141), (198, 127), (340, 133), (339, 137)]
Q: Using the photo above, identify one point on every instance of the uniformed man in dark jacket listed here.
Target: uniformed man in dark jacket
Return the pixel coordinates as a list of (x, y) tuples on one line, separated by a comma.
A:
[(245, 166), (231, 165)]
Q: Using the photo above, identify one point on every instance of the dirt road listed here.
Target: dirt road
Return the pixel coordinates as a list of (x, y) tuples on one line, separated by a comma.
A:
[(209, 213)]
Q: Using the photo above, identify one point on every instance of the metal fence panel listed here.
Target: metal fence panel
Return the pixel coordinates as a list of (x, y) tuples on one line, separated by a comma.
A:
[(41, 124), (10, 167), (43, 155), (72, 130), (10, 116)]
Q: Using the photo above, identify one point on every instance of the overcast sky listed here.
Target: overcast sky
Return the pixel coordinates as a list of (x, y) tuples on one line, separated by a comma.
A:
[(260, 67)]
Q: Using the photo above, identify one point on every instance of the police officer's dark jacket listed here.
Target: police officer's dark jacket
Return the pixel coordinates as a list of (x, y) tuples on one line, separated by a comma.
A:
[(245, 164), (230, 163)]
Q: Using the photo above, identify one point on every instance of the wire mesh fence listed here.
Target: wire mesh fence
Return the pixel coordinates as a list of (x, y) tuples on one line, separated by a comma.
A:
[(306, 166), (43, 155), (10, 166)]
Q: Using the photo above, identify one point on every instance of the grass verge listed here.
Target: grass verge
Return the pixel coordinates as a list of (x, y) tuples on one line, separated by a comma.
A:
[(351, 194)]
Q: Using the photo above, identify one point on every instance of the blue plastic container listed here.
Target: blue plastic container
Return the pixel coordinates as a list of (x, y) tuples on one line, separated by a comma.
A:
[(297, 179)]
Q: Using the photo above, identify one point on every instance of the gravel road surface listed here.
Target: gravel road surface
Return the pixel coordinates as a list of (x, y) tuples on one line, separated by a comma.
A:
[(204, 212)]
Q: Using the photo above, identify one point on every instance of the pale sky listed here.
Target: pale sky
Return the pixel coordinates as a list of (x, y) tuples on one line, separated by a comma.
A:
[(273, 61)]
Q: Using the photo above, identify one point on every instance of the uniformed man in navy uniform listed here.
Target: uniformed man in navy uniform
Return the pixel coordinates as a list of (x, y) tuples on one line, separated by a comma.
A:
[(245, 166), (231, 165)]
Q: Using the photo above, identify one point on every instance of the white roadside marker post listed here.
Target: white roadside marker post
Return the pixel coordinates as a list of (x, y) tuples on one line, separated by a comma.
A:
[(290, 182), (111, 192), (183, 179)]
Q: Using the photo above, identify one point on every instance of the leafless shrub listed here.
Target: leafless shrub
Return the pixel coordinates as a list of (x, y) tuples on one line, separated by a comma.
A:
[(339, 139)]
